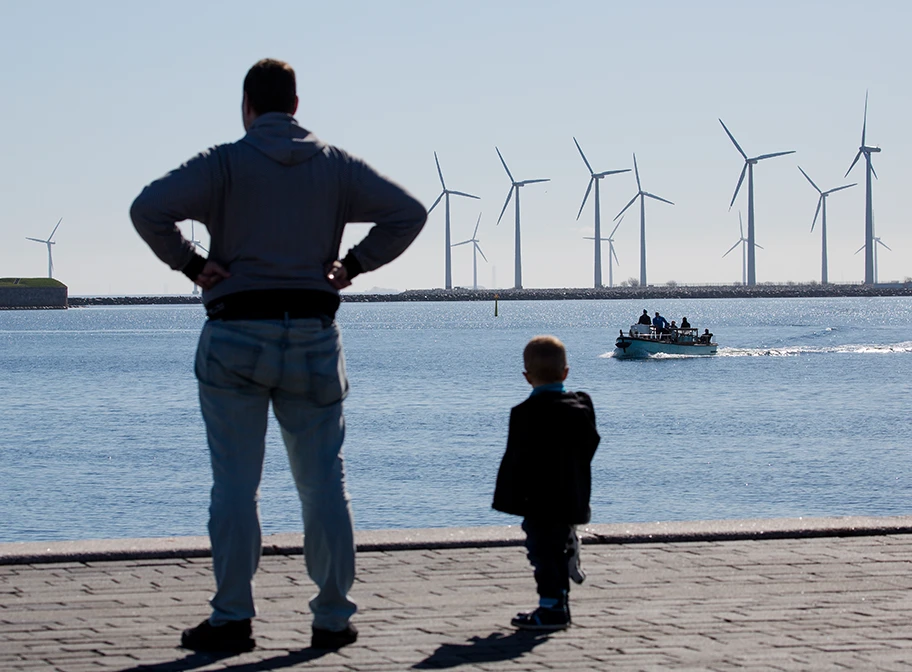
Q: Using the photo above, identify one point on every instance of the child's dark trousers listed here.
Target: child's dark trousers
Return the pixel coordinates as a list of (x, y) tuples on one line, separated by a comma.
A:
[(546, 543)]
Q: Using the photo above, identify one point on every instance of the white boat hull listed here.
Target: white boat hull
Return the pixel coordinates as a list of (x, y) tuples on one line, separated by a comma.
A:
[(632, 347)]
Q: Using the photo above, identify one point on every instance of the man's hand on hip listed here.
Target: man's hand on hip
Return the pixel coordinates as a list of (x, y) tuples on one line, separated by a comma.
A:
[(337, 275), (211, 275)]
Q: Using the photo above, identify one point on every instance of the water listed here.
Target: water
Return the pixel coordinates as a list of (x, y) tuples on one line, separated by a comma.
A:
[(804, 412)]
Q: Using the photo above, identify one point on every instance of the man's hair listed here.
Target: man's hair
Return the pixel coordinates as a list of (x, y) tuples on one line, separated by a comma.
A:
[(545, 359), (270, 87)]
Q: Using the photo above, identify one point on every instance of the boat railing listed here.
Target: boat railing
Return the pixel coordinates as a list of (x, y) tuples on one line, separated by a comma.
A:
[(676, 335)]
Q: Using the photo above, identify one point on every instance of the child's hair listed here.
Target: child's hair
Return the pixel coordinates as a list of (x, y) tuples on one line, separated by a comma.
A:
[(545, 359)]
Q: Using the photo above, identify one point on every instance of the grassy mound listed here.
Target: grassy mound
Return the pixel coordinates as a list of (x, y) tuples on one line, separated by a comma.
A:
[(30, 282)]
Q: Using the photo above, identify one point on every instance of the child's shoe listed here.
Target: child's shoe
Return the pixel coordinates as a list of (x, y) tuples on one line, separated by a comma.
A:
[(543, 619), (577, 575)]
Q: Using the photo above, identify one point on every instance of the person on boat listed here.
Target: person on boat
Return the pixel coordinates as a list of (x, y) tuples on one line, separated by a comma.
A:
[(644, 318), (684, 323), (706, 337), (660, 324), (673, 331)]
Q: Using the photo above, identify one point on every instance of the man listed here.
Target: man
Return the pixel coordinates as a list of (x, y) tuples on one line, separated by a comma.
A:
[(660, 324), (644, 318), (275, 204)]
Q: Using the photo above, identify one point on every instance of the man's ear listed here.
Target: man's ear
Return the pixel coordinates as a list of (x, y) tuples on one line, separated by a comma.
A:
[(295, 106)]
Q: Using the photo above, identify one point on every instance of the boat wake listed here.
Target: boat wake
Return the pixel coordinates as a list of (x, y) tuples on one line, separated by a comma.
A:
[(794, 351)]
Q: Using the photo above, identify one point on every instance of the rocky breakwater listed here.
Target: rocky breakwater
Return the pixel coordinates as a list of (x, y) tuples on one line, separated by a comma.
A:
[(645, 293), (82, 301)]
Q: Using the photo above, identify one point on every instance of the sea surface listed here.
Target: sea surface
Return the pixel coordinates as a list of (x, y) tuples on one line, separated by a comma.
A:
[(803, 412)]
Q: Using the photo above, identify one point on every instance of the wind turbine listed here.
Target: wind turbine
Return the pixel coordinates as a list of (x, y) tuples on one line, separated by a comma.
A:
[(611, 252), (596, 177), (446, 195), (196, 244), (515, 186), (821, 206), (877, 241), (49, 242), (869, 247), (475, 249), (743, 242), (642, 195), (749, 163)]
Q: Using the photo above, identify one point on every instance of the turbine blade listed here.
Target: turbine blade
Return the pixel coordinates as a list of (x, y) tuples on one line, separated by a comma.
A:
[(478, 221), (611, 235), (506, 203), (612, 172), (627, 206), (810, 180), (439, 172), (658, 198), (738, 188), (878, 240), (774, 154), (859, 249), (741, 225), (504, 164), (202, 248), (478, 247), (525, 182), (759, 245), (613, 253), (846, 186), (436, 202), (864, 124), (731, 248), (462, 243), (853, 164), (874, 171), (732, 138), (462, 193), (51, 237), (588, 189), (819, 203), (637, 172), (585, 160), (36, 240)]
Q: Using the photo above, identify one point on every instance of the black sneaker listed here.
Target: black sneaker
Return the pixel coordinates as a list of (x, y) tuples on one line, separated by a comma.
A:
[(231, 637), (543, 618), (333, 639)]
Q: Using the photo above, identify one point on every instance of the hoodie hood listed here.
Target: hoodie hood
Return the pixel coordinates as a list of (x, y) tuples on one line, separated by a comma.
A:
[(278, 136)]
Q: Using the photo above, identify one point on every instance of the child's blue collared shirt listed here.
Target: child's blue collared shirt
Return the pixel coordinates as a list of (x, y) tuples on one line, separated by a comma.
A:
[(549, 387)]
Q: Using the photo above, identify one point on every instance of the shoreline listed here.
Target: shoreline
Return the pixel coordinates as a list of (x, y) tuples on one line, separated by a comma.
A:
[(767, 291), (290, 543)]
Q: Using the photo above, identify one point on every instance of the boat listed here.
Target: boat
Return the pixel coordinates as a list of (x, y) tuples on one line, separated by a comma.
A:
[(644, 340)]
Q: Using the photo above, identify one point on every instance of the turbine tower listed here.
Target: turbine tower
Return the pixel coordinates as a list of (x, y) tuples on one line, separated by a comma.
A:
[(642, 195), (596, 177), (611, 252), (869, 247), (749, 163), (877, 241), (49, 242), (476, 250), (446, 194), (743, 242), (821, 206), (515, 186), (196, 244)]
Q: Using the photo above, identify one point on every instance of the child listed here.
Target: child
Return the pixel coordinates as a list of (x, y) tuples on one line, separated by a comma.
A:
[(545, 477)]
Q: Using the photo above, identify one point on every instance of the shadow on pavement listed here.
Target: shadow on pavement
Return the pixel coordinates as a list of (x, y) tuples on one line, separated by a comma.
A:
[(195, 660), (491, 649)]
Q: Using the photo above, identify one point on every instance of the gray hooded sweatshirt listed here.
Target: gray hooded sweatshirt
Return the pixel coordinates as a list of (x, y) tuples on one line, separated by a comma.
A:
[(275, 204)]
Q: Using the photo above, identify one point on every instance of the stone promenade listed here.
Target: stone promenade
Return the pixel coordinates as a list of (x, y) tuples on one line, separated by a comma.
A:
[(801, 594)]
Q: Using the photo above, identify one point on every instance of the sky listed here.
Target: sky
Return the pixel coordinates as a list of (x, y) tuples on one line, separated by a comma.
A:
[(100, 98)]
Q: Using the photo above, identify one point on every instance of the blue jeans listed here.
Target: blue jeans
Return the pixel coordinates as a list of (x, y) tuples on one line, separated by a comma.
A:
[(297, 365)]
